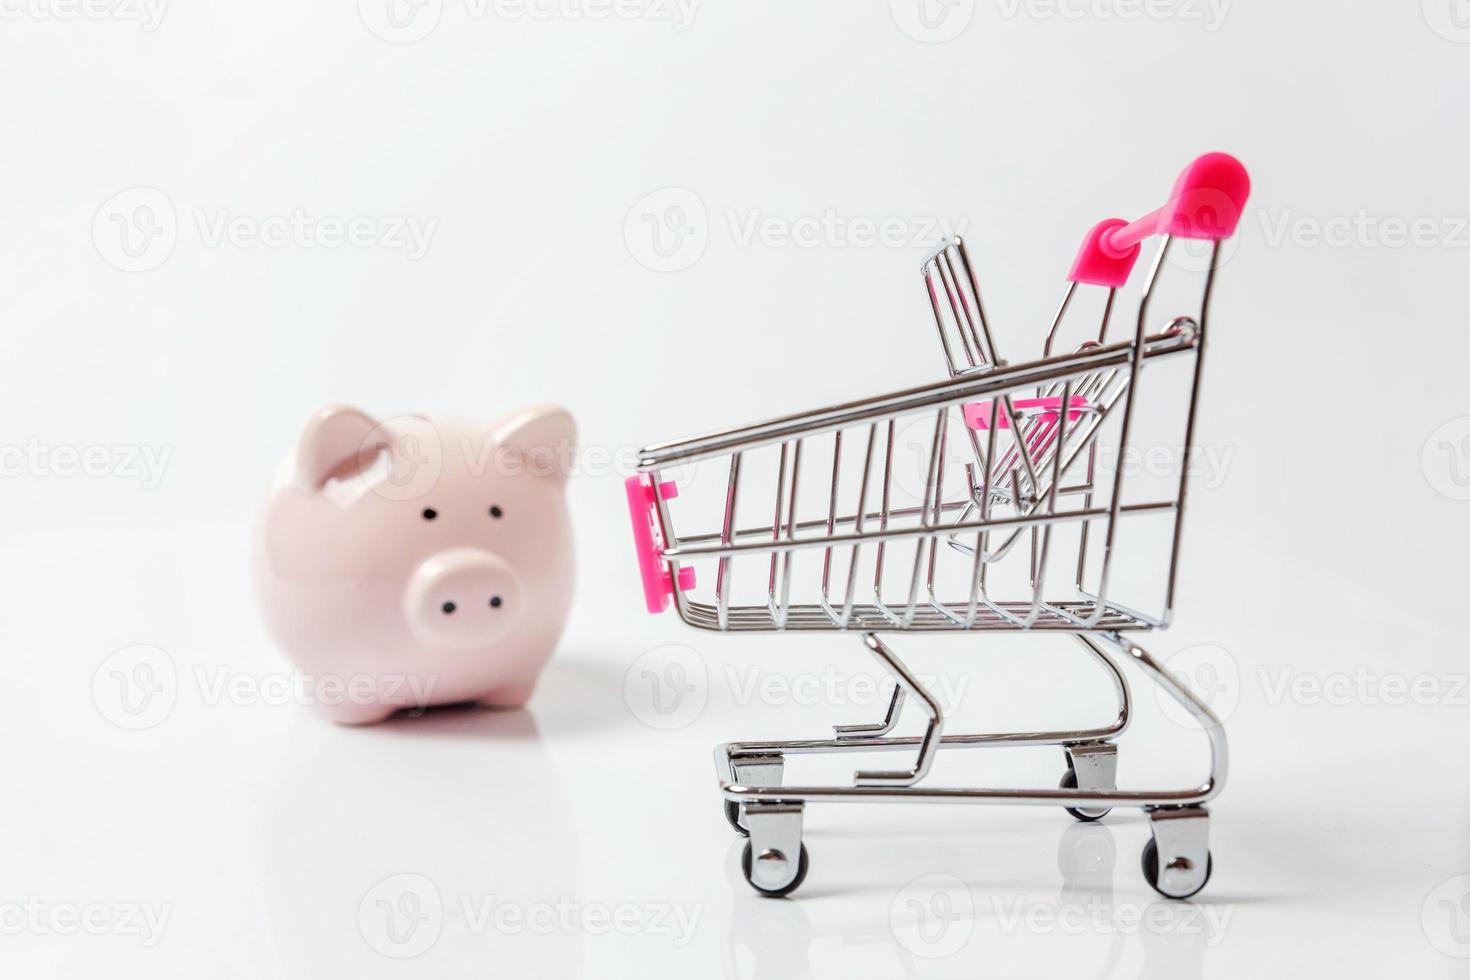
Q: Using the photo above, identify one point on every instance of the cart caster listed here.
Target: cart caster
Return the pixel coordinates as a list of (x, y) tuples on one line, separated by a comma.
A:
[(775, 865), (1069, 781), (732, 816), (775, 859), (751, 770), (1098, 764), (1181, 834)]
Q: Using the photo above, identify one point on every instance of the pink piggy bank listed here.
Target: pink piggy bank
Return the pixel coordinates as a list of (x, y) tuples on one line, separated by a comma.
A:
[(419, 561)]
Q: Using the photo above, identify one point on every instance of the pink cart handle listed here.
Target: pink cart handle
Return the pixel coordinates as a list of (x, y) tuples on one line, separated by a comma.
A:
[(648, 541), (1207, 202)]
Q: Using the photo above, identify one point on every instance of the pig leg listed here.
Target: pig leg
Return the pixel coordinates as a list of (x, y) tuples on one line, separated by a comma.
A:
[(510, 696), (348, 713)]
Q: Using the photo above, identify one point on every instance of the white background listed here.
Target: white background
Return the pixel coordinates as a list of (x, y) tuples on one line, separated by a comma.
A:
[(1329, 550)]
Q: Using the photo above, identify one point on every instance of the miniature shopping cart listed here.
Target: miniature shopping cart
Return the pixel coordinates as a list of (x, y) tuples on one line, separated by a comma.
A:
[(948, 508)]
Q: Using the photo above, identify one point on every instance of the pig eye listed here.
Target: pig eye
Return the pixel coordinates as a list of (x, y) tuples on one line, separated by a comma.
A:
[(430, 513), (496, 512)]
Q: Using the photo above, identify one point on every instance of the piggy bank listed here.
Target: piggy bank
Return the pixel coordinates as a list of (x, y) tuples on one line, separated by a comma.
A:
[(418, 561)]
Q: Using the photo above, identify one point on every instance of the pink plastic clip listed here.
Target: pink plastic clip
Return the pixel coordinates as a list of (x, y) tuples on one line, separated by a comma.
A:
[(1207, 202), (648, 541), (977, 414), (1096, 267)]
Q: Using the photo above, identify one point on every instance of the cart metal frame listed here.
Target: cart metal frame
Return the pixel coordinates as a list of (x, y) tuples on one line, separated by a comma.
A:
[(1031, 436)]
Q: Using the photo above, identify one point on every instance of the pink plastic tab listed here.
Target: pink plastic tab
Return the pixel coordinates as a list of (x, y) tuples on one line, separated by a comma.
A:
[(1207, 202), (1096, 267), (977, 414), (648, 541), (1208, 199)]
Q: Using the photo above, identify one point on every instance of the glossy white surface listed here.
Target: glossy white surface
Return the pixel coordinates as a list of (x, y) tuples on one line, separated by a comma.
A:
[(1323, 589)]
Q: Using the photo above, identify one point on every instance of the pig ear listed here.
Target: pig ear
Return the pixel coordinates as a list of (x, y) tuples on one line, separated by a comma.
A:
[(543, 439), (336, 441)]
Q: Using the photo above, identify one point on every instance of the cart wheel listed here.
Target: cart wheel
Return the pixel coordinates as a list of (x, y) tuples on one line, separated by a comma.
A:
[(1151, 870), (1069, 781), (732, 814), (747, 860)]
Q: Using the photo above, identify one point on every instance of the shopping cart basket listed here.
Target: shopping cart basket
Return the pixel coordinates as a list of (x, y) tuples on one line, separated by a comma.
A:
[(846, 495)]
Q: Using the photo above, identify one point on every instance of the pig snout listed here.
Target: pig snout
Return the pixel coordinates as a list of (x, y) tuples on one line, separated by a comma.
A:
[(463, 598)]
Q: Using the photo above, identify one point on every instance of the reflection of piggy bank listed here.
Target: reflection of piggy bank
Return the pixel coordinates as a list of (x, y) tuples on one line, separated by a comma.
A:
[(417, 561), (392, 854)]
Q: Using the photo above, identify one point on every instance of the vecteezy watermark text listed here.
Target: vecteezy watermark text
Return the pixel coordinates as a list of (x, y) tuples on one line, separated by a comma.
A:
[(404, 915), (1100, 916), (669, 229), (137, 230), (1364, 229), (122, 461), (299, 228), (668, 687), (138, 687), (570, 916), (412, 455), (147, 14), (1210, 14), (832, 687), (934, 917), (409, 21), (34, 916), (1363, 686), (225, 685)]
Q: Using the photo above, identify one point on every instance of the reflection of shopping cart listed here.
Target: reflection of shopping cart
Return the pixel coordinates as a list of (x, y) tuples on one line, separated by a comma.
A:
[(941, 552)]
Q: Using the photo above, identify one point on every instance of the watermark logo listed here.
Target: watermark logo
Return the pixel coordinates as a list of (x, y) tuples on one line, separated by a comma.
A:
[(668, 230), (933, 916), (1193, 255), (401, 916), (1206, 215), (932, 21), (135, 230), (409, 457), (1450, 19), (136, 687), (1210, 671), (401, 21), (1446, 459), (1446, 917), (667, 687)]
